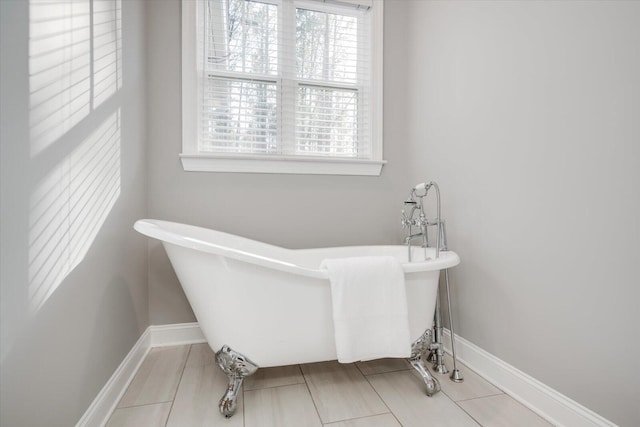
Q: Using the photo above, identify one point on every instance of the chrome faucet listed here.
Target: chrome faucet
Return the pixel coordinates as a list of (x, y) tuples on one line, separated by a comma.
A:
[(408, 221)]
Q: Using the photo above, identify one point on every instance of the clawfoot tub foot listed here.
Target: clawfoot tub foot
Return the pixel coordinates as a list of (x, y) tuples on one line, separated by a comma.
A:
[(419, 349), (236, 367)]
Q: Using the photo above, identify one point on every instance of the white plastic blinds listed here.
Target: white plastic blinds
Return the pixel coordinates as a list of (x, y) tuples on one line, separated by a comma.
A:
[(284, 77)]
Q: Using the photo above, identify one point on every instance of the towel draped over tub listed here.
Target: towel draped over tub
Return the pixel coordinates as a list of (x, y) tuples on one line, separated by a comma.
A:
[(370, 314)]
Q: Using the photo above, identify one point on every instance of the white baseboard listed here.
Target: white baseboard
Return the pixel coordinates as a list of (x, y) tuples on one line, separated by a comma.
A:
[(553, 406), (177, 334), (106, 401)]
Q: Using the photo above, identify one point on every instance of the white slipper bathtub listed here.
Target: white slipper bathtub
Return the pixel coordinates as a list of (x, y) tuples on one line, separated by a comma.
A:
[(274, 304)]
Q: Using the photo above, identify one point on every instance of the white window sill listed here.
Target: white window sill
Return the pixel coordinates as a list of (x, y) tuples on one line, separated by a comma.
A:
[(280, 164)]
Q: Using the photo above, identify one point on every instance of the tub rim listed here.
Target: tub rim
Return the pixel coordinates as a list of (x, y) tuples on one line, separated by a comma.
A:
[(166, 231)]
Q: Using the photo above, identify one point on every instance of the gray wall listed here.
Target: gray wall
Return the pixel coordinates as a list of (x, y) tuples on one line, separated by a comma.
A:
[(528, 115), (289, 210), (73, 277)]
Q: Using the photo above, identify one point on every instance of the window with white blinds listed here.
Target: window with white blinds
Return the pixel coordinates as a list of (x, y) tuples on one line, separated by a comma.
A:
[(282, 86)]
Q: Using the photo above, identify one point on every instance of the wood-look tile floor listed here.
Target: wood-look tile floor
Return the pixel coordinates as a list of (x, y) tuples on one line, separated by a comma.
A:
[(180, 387)]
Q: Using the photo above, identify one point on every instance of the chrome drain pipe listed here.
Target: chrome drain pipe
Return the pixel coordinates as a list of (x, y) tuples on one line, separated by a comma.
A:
[(455, 376), (438, 350), (439, 366)]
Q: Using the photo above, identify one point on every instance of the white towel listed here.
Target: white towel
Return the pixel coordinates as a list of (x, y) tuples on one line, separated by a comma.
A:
[(370, 315)]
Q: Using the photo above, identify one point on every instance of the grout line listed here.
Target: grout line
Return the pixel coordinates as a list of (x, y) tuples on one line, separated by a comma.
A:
[(146, 356), (281, 385), (469, 369), (413, 374), (357, 366), (359, 418), (456, 402), (186, 359), (306, 383), (142, 404), (470, 416), (435, 375), (481, 397), (380, 397), (501, 392), (407, 368), (273, 386), (386, 372)]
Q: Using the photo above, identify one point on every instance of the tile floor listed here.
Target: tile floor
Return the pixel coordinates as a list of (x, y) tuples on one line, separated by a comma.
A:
[(180, 387)]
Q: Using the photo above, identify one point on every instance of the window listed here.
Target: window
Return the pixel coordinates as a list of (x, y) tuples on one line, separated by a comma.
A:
[(282, 86)]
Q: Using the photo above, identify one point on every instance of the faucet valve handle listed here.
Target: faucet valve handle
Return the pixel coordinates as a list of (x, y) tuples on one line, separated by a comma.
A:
[(405, 221), (420, 221)]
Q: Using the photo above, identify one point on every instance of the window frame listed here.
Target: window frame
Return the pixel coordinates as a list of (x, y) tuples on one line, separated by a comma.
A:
[(193, 160)]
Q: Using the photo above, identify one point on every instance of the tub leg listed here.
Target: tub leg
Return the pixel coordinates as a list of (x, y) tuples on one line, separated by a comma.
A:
[(237, 367), (418, 350)]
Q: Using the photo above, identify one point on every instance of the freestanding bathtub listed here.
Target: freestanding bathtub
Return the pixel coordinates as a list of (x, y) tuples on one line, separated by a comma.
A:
[(272, 305)]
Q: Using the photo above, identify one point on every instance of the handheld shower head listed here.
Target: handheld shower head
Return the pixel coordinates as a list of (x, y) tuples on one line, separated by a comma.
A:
[(423, 186)]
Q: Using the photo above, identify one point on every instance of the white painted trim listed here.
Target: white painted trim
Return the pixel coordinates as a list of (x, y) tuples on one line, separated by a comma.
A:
[(189, 78), (105, 402), (177, 334), (553, 406), (377, 78), (280, 164)]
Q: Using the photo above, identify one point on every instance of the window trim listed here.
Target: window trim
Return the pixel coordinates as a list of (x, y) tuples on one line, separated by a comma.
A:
[(193, 161)]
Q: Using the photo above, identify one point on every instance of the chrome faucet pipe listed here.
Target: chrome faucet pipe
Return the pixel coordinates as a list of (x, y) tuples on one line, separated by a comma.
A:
[(443, 236), (408, 239), (438, 217), (411, 237), (455, 376), (438, 350)]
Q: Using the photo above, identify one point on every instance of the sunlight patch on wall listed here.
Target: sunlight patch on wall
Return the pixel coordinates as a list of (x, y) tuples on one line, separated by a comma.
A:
[(75, 66), (75, 63), (107, 49), (59, 68), (68, 208)]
